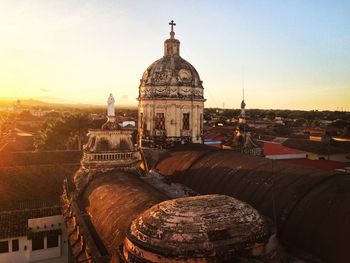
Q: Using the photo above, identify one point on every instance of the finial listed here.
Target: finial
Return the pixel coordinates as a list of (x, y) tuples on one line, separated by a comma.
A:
[(172, 24)]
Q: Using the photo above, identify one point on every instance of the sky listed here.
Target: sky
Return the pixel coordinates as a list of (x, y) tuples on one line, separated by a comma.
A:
[(291, 54)]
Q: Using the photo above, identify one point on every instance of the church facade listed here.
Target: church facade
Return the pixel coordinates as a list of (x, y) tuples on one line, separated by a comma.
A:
[(170, 99)]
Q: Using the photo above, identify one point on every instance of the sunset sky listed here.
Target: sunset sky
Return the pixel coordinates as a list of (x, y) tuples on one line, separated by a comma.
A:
[(291, 54)]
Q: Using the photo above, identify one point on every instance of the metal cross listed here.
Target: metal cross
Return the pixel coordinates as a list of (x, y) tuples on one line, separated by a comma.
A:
[(172, 25)]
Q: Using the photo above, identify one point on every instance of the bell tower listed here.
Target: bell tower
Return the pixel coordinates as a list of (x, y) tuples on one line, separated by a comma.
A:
[(171, 102)]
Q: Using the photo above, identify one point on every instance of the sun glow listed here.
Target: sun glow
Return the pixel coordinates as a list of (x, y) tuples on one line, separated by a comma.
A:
[(79, 51)]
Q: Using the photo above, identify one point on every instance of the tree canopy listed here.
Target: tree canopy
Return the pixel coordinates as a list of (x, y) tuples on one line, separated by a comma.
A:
[(66, 132)]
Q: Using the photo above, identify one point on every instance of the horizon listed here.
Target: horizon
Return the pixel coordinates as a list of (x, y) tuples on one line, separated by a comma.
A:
[(126, 106), (292, 56)]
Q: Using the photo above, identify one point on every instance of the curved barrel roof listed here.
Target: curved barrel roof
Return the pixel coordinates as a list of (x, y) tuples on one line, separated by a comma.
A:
[(311, 207), (112, 201)]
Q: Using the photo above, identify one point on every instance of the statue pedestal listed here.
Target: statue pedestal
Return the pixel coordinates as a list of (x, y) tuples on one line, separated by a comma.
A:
[(111, 118)]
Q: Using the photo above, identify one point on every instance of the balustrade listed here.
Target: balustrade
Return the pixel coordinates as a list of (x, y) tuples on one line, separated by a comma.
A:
[(108, 156)]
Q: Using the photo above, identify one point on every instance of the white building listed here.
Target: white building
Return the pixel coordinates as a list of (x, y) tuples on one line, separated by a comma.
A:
[(128, 124), (276, 151), (33, 235)]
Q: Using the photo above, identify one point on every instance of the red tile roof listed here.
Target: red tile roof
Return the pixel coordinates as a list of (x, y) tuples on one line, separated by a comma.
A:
[(313, 131), (218, 133), (15, 223), (278, 149), (20, 186)]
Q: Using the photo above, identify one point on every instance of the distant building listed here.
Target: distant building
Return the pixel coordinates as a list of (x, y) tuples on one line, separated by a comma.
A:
[(32, 228), (33, 235), (277, 151), (95, 116), (40, 112), (318, 150), (260, 124), (17, 140), (279, 120), (217, 136), (128, 124)]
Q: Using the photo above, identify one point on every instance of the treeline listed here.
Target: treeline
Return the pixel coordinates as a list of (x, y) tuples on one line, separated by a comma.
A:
[(286, 114), (67, 132)]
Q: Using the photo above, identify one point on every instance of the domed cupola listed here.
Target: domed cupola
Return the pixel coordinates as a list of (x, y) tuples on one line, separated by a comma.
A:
[(171, 76), (170, 99), (201, 229)]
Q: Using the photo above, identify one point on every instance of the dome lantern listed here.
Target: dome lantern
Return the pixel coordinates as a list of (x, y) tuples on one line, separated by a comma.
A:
[(172, 45)]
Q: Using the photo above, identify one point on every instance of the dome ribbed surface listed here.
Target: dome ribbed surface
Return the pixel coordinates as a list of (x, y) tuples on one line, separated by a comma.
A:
[(171, 71), (209, 226)]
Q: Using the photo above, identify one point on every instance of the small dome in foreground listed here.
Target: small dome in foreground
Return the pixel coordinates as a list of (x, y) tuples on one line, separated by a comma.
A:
[(209, 228)]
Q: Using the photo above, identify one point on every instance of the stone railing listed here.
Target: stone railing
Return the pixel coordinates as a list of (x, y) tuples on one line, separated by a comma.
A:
[(97, 157)]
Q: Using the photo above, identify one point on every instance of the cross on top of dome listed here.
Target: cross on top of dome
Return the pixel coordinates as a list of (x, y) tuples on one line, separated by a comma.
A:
[(172, 24)]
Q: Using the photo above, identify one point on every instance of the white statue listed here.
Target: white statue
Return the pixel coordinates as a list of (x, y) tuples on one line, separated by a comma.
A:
[(110, 107), (243, 108)]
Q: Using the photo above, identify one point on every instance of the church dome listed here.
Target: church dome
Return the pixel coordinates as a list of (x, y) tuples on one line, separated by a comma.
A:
[(171, 76), (209, 228), (171, 71)]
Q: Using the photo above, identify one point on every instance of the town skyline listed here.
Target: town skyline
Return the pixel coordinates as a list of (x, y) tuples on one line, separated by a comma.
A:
[(289, 56)]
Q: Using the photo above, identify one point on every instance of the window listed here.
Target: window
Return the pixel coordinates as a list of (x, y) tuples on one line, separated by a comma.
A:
[(52, 240), (15, 245), (185, 121), (103, 145), (141, 120), (160, 121), (4, 246), (38, 243), (201, 123)]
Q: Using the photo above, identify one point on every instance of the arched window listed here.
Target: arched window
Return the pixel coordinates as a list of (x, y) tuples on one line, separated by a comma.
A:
[(186, 121), (103, 145), (160, 121)]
